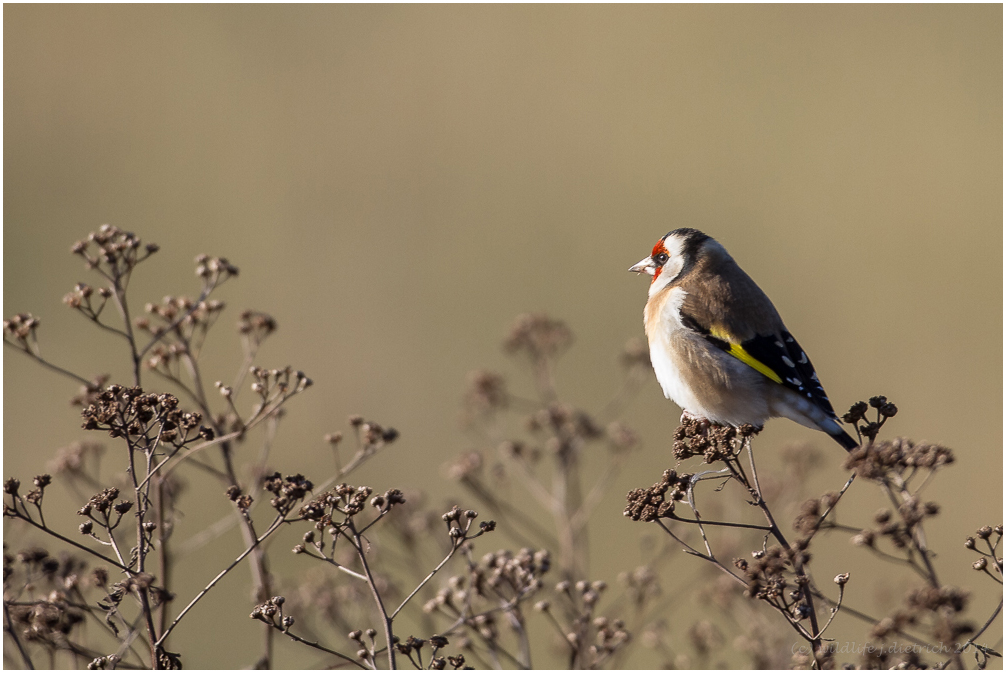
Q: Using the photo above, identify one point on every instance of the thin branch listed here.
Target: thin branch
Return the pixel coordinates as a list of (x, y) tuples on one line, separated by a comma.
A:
[(961, 648), (389, 637), (17, 641), (45, 363), (67, 540), (845, 488), (688, 549), (322, 557), (316, 646), (726, 524), (852, 612), (457, 543), (834, 610), (207, 289), (797, 563), (272, 528)]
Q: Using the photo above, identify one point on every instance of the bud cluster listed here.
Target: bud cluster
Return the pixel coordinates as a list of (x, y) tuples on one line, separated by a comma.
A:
[(143, 418)]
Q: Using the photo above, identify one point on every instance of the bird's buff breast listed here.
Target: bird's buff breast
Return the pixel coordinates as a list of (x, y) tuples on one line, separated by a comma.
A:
[(700, 378)]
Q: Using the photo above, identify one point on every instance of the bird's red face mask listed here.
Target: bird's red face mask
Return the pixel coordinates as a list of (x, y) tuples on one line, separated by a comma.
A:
[(653, 264)]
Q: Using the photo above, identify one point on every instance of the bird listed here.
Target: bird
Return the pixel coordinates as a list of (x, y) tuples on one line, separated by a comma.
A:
[(718, 346)]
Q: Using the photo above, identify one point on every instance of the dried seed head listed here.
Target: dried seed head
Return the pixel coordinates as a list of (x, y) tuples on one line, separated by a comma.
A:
[(864, 538), (11, 486), (878, 401)]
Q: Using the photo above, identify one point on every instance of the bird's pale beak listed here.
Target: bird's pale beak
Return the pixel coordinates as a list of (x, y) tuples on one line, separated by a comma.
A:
[(644, 266)]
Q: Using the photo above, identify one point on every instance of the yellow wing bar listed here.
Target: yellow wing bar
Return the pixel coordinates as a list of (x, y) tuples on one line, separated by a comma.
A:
[(738, 352)]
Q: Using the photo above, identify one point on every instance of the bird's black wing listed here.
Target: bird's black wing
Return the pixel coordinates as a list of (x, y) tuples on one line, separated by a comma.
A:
[(784, 356), (776, 356)]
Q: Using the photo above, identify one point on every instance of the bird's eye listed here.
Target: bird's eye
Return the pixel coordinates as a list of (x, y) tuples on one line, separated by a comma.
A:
[(661, 259)]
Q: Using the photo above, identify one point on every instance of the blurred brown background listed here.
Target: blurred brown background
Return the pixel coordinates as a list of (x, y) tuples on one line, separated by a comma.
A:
[(396, 183)]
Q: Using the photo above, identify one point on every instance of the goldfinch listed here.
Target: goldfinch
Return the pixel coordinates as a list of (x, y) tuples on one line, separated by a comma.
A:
[(719, 348)]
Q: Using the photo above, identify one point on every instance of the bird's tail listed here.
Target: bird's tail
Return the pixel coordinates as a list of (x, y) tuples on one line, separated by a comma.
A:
[(843, 438)]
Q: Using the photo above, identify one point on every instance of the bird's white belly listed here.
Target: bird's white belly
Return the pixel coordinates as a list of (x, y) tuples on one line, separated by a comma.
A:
[(717, 387), (675, 387)]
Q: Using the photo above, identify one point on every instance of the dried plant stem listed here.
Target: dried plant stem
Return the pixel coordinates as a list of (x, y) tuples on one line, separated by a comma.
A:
[(48, 365), (127, 643), (207, 289), (724, 524), (960, 649), (317, 646), (834, 609), (269, 531), (830, 507), (141, 501), (119, 294), (338, 566), (388, 635), (164, 557), (17, 641), (815, 640), (457, 542), (517, 624), (50, 531), (260, 572), (89, 610), (870, 620), (917, 534), (688, 549)]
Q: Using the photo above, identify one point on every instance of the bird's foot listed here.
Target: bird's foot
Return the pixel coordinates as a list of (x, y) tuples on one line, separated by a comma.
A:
[(688, 418)]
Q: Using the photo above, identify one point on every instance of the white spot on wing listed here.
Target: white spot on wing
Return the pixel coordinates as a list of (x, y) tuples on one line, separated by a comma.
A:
[(803, 358), (789, 363)]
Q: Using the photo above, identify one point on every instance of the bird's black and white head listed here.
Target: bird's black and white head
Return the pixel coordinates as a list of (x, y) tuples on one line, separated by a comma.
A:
[(673, 257)]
